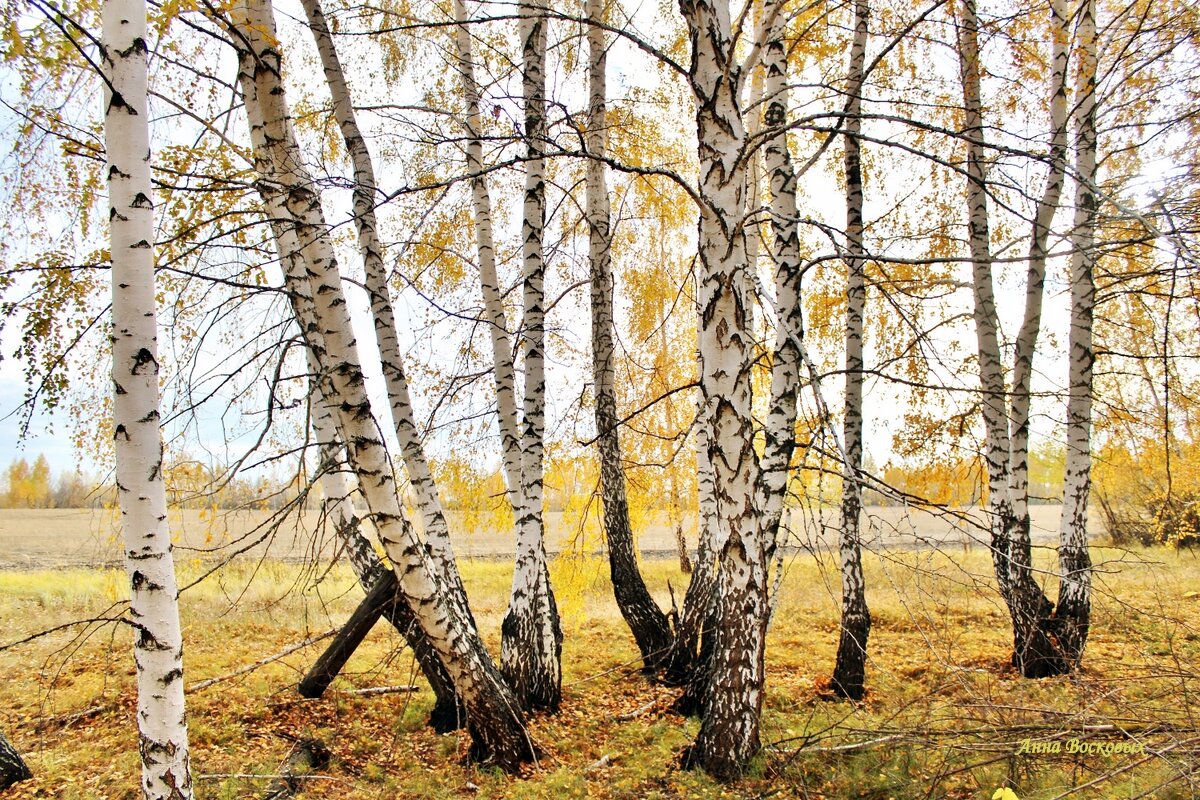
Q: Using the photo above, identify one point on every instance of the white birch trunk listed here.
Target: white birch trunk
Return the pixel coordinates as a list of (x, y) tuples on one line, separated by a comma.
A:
[(1074, 591), (645, 619), (154, 601), (493, 304), (531, 645), (849, 668), (437, 531), (729, 733), (493, 716), (1027, 337), (338, 485), (780, 427)]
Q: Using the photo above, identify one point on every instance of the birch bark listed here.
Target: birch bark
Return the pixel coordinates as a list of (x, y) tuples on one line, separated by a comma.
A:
[(643, 616), (531, 635), (13, 769), (729, 732), (494, 719), (1075, 565), (850, 666), (493, 304), (154, 602)]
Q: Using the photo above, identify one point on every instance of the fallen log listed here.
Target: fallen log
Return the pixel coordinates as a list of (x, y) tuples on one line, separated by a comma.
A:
[(307, 755), (385, 600), (12, 768), (382, 595)]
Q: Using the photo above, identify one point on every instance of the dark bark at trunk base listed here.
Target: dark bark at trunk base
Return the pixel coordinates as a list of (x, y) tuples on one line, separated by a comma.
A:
[(849, 671), (1036, 652), (696, 689), (645, 619), (351, 635), (307, 755), (384, 600), (686, 651), (534, 676), (12, 768), (495, 741)]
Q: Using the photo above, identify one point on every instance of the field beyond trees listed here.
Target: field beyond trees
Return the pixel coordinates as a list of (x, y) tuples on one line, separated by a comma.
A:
[(945, 714)]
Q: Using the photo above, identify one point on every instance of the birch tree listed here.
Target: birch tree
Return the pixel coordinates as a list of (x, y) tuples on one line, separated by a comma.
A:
[(494, 719), (729, 732), (338, 484), (531, 643), (850, 664), (137, 437), (365, 192), (1036, 647), (645, 619), (13, 769)]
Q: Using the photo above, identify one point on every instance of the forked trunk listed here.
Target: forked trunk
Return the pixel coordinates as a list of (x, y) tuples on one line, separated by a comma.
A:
[(531, 634), (1075, 564), (645, 619), (494, 719), (137, 436), (849, 670), (1034, 651)]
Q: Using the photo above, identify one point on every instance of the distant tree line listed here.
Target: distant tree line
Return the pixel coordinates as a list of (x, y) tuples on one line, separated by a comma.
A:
[(35, 486)]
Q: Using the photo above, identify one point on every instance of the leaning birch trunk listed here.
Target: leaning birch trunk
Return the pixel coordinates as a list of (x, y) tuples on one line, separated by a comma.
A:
[(531, 635), (645, 619), (780, 428), (729, 732), (494, 719), (337, 485), (437, 532), (1075, 565), (850, 666), (1034, 653), (137, 437)]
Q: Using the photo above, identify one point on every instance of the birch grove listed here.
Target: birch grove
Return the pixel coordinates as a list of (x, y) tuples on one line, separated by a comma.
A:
[(773, 283)]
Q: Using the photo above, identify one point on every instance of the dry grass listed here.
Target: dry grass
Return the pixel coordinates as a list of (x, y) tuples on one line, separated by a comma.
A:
[(944, 716)]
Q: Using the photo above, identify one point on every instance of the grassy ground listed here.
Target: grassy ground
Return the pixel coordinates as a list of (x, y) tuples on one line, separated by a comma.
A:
[(945, 716)]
